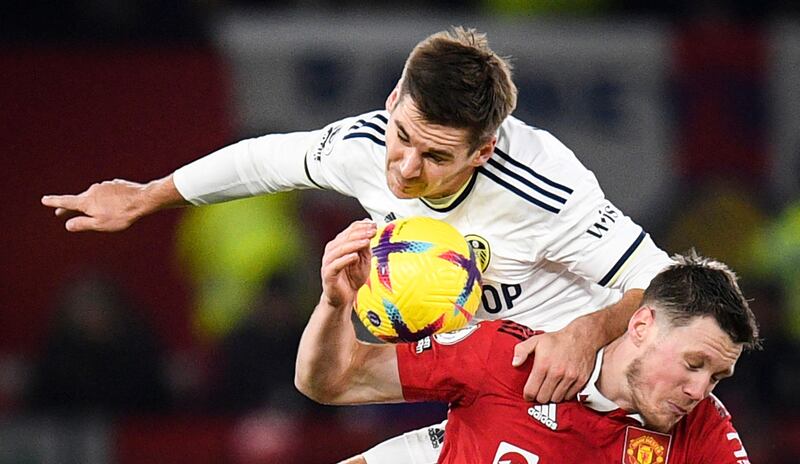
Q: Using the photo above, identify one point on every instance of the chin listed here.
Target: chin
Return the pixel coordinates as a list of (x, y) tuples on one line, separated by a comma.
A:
[(661, 424), (403, 194)]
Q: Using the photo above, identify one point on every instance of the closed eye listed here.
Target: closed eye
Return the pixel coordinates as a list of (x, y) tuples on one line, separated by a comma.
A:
[(435, 158), (694, 366)]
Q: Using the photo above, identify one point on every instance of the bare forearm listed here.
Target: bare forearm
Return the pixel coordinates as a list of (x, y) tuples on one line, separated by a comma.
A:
[(610, 322), (325, 353), (332, 365)]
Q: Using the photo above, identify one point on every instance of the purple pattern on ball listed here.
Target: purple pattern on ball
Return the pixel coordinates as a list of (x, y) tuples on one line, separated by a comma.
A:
[(404, 334), (473, 275), (385, 247)]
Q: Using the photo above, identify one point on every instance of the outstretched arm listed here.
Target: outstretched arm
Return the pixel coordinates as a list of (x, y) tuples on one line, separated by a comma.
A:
[(114, 205), (333, 367), (267, 164)]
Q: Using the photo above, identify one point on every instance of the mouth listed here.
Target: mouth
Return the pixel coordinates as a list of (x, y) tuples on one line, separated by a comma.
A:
[(403, 185), (677, 410)]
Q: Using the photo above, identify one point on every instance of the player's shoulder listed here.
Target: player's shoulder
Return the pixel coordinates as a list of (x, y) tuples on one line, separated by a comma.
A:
[(538, 148), (367, 128), (500, 331), (707, 414), (352, 140), (713, 407), (502, 337), (512, 332), (532, 165), (504, 334)]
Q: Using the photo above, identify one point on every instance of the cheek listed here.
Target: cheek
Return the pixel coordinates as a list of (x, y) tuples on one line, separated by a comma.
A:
[(668, 382), (392, 154), (444, 173), (659, 375)]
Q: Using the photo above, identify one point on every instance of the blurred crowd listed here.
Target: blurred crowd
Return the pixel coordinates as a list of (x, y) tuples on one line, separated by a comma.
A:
[(188, 20)]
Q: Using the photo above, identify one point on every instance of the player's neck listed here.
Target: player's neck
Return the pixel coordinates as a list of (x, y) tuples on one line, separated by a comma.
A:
[(612, 382)]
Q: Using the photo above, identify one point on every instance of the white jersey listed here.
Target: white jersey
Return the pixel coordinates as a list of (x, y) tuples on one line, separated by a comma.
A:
[(550, 246)]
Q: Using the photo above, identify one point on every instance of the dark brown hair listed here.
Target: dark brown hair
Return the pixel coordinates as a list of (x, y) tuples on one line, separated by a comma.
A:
[(456, 80), (696, 287)]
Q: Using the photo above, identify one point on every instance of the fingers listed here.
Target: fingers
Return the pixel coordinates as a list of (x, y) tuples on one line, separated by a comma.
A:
[(576, 388), (562, 389), (70, 202), (353, 239), (357, 230), (351, 244), (555, 380), (66, 213), (551, 383), (535, 382), (81, 224), (344, 255), (522, 350), (335, 267), (345, 263), (552, 378)]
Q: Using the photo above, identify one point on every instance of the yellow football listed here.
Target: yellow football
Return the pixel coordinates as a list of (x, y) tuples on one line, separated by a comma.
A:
[(423, 280)]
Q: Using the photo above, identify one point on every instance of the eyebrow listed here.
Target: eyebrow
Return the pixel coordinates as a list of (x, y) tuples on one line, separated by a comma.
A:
[(433, 151), (723, 374)]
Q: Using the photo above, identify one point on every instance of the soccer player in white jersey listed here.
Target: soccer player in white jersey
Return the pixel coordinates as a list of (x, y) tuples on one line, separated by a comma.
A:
[(555, 254)]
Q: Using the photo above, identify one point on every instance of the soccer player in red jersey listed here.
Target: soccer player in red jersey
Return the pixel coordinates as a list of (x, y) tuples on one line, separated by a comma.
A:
[(648, 400)]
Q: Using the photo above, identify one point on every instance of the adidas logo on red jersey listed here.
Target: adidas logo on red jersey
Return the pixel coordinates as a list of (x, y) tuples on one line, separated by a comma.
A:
[(545, 413)]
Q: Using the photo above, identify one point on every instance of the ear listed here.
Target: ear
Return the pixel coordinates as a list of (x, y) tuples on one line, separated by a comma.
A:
[(391, 100), (484, 153), (642, 325)]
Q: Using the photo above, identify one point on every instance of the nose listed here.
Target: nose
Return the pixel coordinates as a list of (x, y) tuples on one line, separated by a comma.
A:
[(698, 387), (411, 164)]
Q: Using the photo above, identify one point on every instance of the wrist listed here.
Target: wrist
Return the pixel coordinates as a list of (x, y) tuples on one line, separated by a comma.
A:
[(156, 195), (334, 303)]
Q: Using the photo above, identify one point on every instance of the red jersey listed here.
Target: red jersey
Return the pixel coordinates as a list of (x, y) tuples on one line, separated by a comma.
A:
[(491, 423)]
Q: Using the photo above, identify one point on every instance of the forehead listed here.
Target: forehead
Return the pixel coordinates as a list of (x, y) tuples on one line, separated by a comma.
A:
[(410, 119), (703, 337)]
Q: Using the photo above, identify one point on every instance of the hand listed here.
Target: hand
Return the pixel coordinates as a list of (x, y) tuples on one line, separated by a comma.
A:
[(345, 264), (563, 362), (109, 206)]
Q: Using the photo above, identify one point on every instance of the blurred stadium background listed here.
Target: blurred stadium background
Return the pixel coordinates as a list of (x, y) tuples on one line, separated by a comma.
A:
[(174, 342)]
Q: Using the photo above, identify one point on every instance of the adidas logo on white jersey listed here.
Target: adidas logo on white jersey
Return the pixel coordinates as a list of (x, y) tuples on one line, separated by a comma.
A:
[(544, 413)]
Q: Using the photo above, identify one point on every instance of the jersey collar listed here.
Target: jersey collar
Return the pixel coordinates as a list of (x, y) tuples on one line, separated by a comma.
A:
[(591, 397), (445, 204)]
